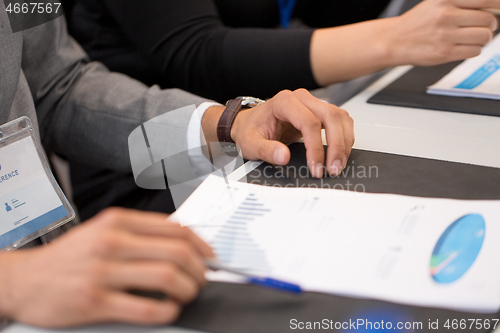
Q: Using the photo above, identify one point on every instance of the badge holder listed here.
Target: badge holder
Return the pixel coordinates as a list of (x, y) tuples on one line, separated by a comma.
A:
[(31, 202)]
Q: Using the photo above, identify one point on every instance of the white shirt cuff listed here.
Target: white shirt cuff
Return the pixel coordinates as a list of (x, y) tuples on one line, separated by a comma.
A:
[(195, 137), (196, 140)]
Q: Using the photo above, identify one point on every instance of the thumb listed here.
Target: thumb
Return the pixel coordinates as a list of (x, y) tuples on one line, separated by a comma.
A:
[(271, 151)]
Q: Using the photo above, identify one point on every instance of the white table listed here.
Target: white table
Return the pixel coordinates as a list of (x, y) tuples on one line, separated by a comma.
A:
[(17, 328), (448, 136)]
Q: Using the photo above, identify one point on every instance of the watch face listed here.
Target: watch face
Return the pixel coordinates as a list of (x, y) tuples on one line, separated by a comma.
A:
[(251, 101)]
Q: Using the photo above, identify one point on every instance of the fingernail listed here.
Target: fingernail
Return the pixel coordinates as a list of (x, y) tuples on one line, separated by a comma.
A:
[(279, 156), (336, 168), (344, 162), (319, 171)]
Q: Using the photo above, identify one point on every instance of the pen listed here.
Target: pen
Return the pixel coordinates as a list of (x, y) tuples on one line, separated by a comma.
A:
[(257, 280)]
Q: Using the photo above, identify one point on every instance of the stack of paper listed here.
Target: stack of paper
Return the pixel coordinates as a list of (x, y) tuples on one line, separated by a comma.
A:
[(477, 77)]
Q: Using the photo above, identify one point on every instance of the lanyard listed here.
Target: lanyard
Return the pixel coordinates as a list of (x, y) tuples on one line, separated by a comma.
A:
[(286, 8)]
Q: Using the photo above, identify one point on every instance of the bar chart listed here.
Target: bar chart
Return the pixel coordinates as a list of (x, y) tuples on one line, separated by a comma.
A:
[(234, 245)]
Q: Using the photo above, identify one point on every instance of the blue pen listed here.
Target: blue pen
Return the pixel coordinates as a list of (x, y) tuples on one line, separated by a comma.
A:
[(260, 281)]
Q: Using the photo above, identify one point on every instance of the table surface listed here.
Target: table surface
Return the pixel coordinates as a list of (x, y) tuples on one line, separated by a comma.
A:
[(448, 136), (18, 328)]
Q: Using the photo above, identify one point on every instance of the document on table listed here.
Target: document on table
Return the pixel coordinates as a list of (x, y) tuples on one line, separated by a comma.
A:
[(476, 77), (420, 251)]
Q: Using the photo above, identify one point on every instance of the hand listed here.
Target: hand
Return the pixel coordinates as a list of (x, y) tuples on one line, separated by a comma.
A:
[(262, 131), (83, 277), (439, 31)]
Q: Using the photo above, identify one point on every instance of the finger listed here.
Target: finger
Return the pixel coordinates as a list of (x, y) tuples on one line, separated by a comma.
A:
[(460, 52), (336, 153), (473, 36), (349, 137), (271, 151), (176, 251), (131, 309), (477, 4), (476, 18), (333, 119), (153, 276), (287, 107), (153, 224), (174, 230)]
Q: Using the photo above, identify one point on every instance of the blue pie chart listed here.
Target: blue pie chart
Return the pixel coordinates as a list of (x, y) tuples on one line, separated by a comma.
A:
[(457, 248)]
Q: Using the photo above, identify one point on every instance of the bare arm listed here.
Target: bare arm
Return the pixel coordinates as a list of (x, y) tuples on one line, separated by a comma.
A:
[(434, 32)]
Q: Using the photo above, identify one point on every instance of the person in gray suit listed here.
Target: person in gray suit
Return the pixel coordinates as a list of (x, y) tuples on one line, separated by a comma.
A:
[(85, 113)]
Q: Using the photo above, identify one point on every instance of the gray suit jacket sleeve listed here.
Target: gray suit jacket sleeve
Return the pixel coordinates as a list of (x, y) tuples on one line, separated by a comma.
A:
[(85, 112)]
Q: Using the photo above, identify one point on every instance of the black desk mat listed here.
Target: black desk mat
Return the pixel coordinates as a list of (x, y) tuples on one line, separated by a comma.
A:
[(410, 91), (390, 173), (229, 308)]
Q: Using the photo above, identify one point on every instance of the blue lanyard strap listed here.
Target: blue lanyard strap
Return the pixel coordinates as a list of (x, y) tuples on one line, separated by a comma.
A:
[(286, 8)]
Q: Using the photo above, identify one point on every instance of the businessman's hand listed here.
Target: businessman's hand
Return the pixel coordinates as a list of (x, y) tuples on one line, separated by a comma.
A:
[(83, 277), (262, 132), (439, 31)]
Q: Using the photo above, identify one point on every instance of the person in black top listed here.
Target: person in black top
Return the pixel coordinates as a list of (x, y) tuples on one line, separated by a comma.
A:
[(195, 44), (221, 49), (224, 48)]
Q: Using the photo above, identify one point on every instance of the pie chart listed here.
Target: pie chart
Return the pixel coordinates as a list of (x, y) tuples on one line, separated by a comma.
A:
[(457, 248)]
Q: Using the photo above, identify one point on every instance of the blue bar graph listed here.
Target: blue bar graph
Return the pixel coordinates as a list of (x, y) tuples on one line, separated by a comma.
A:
[(233, 244), (483, 73)]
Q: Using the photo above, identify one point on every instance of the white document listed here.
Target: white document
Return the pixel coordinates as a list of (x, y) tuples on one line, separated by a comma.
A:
[(420, 251), (476, 77)]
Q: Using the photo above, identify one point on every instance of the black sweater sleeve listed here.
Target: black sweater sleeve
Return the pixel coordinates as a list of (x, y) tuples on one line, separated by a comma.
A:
[(190, 47)]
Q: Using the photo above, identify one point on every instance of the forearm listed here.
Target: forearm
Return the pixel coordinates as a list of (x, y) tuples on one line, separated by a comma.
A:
[(343, 53), (432, 33), (269, 60), (87, 113), (193, 50)]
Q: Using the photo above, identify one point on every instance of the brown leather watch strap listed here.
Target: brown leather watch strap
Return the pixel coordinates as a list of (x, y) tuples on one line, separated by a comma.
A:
[(227, 118)]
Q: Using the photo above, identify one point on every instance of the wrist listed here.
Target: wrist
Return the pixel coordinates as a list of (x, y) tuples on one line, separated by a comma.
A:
[(238, 121), (391, 48), (209, 123), (226, 130), (342, 53)]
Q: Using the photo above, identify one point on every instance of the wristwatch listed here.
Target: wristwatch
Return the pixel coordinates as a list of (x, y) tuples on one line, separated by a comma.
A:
[(233, 106)]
